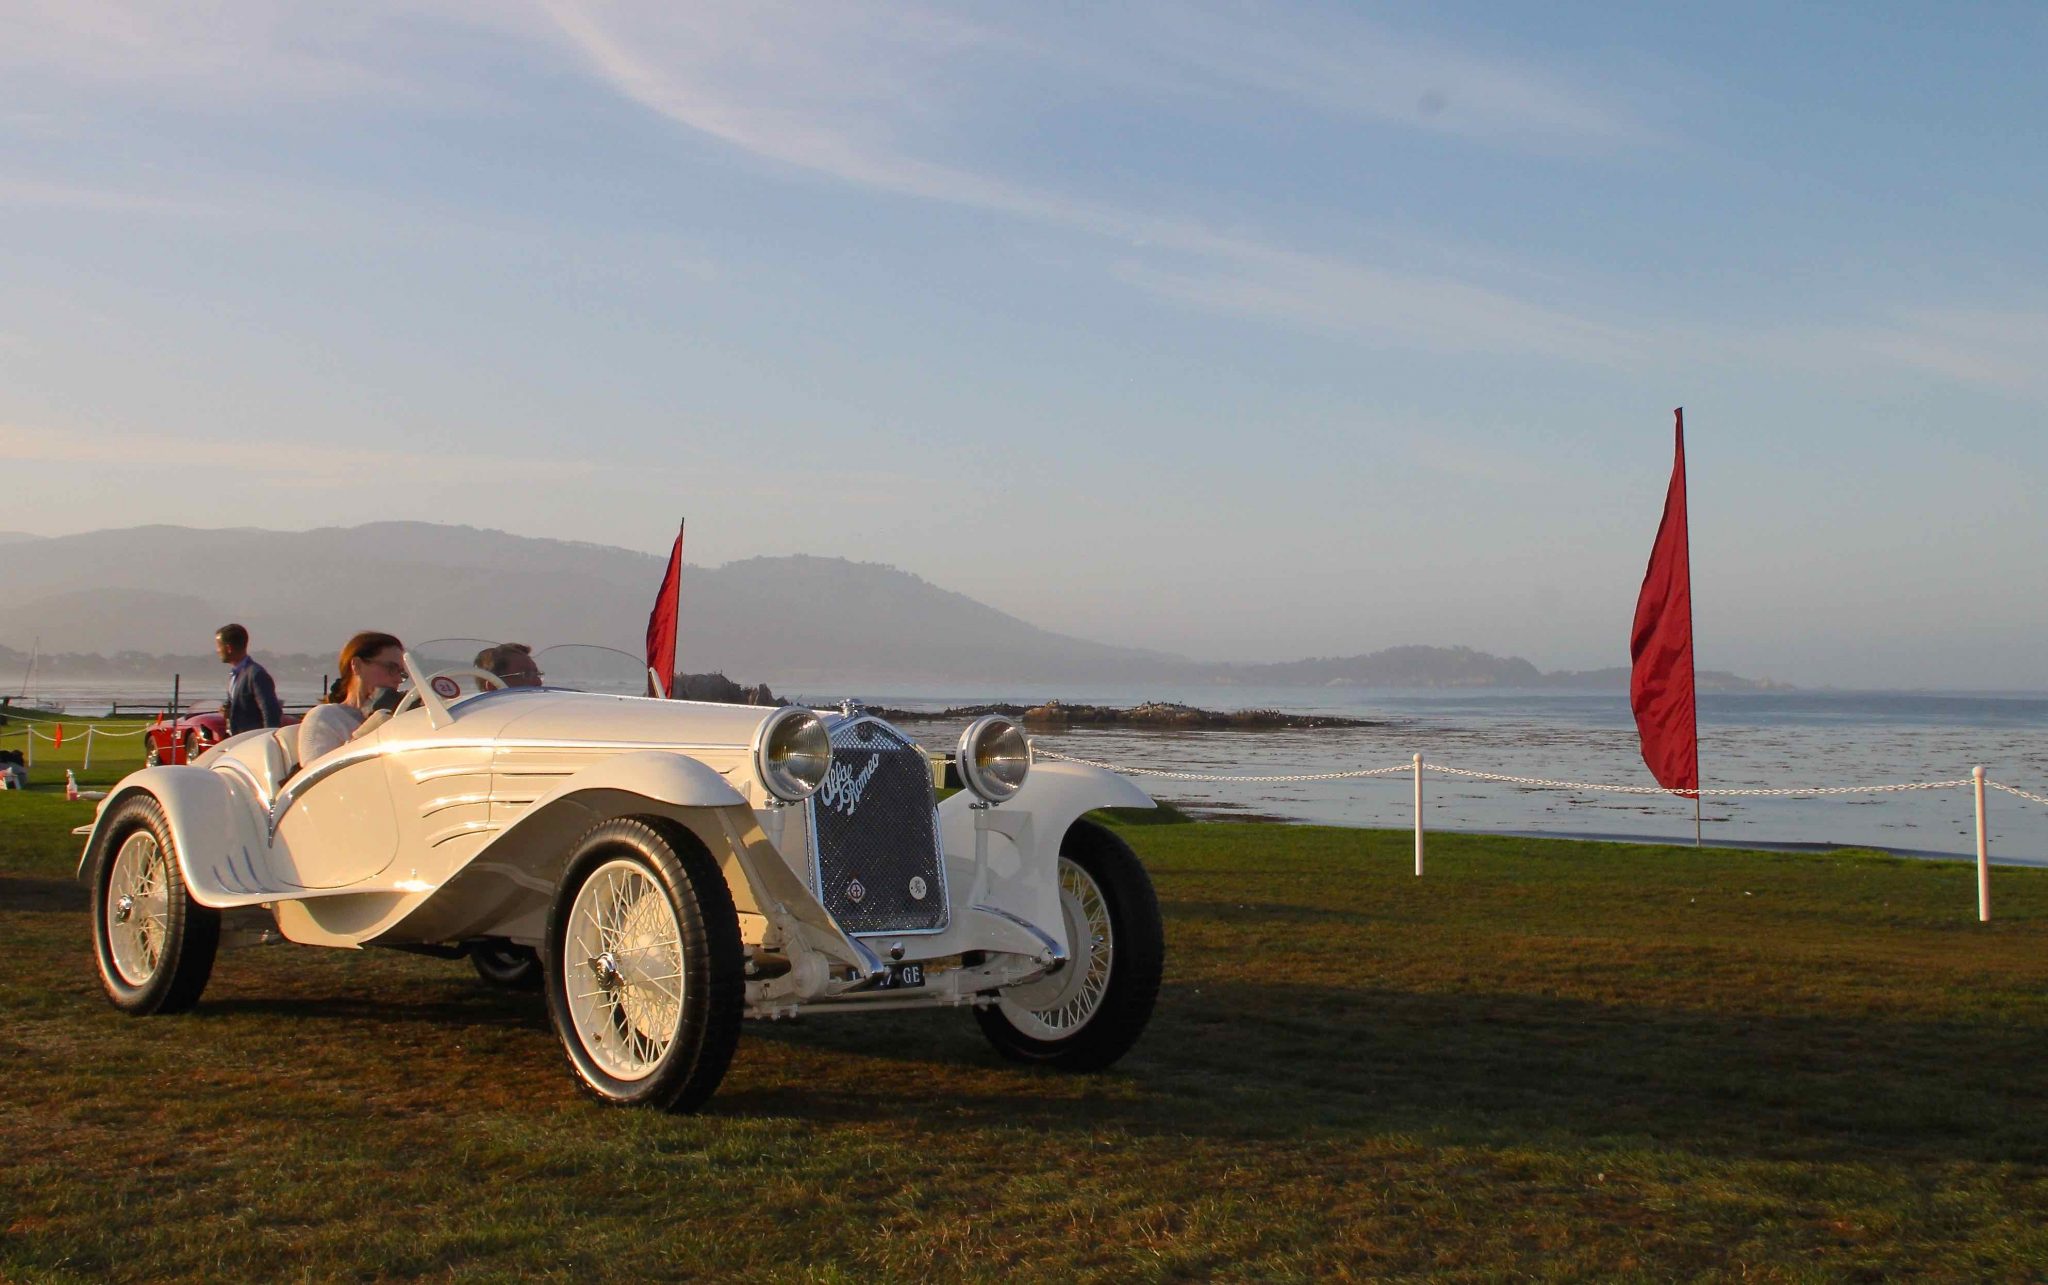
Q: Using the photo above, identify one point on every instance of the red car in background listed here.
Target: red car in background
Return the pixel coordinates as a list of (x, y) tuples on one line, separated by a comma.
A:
[(184, 740)]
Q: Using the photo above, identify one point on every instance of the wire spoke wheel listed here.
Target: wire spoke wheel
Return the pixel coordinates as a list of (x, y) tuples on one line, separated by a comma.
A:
[(154, 944), (1065, 1003), (1088, 1014), (624, 966), (643, 966), (137, 911)]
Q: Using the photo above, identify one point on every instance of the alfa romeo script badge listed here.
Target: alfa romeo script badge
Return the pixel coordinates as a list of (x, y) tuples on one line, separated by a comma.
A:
[(856, 892), (918, 887)]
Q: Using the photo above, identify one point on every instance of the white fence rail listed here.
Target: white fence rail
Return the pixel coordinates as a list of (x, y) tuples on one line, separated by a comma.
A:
[(1976, 782)]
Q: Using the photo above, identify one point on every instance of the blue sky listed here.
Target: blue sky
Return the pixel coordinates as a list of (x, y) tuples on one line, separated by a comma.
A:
[(1240, 330)]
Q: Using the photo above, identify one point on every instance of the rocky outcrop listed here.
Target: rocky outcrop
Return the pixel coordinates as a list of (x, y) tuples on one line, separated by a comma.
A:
[(1166, 714), (723, 690)]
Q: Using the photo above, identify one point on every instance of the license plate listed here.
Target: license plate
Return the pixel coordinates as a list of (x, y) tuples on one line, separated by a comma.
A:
[(901, 977)]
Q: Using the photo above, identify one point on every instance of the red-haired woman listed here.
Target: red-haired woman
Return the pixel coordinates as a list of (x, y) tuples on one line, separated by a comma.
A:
[(370, 665)]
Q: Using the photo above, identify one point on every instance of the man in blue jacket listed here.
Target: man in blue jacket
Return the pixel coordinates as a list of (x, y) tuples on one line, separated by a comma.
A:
[(252, 697)]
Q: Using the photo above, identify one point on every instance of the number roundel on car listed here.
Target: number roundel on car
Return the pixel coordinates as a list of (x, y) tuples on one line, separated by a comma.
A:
[(446, 688)]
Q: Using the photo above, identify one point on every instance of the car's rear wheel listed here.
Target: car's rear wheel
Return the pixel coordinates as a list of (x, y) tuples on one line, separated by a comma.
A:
[(643, 964), (155, 945), (506, 965), (1091, 1012), (191, 748)]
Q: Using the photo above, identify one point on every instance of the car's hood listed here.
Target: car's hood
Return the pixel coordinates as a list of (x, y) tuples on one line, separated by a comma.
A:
[(633, 720)]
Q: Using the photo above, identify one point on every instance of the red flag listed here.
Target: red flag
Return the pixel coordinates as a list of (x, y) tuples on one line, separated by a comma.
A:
[(1660, 688), (59, 743), (661, 622)]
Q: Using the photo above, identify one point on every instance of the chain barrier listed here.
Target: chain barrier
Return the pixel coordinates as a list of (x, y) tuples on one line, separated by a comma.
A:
[(2018, 793), (98, 733), (1537, 782), (1783, 792), (1202, 776)]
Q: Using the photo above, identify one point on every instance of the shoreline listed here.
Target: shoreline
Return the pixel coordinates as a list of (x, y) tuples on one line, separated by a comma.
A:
[(1150, 714)]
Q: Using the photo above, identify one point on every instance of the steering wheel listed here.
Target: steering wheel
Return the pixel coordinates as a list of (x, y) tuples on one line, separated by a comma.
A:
[(486, 681)]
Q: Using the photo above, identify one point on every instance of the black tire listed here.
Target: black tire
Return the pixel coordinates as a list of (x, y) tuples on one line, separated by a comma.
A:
[(1136, 959), (138, 978), (192, 749), (712, 989), (152, 755), (506, 965)]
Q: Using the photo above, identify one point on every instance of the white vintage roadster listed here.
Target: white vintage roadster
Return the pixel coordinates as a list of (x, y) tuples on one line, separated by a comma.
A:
[(660, 868)]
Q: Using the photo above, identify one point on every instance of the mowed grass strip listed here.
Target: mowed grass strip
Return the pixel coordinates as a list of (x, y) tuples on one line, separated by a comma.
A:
[(1545, 1059)]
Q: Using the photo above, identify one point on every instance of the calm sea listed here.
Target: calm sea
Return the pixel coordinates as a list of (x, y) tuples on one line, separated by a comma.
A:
[(1808, 739), (1746, 741)]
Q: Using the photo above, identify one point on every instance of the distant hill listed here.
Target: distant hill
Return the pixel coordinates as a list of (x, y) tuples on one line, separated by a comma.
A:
[(147, 600), (16, 537), (795, 620), (1448, 667)]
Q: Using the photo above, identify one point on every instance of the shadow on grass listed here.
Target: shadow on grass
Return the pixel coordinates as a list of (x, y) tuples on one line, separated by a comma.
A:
[(1254, 1059), (35, 893), (1485, 1069)]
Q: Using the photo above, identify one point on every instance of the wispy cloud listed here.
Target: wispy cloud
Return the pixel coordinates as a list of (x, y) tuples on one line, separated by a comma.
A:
[(851, 94), (1996, 350), (1343, 65), (52, 194), (304, 465)]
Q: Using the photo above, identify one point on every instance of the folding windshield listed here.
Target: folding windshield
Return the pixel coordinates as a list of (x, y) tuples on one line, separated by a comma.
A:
[(580, 667)]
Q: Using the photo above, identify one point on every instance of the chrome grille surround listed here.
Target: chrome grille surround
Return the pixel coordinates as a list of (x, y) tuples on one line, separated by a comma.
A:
[(874, 832)]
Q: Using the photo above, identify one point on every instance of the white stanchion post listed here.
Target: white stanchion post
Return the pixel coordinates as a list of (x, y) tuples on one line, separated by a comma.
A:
[(1983, 850), (87, 765), (1418, 816), (28, 747)]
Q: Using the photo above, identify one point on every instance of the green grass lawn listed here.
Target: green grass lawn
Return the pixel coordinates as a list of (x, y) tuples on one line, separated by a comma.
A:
[(1547, 1059)]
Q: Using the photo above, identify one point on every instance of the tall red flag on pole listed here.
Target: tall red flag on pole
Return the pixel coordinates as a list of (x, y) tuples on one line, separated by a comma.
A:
[(1660, 688), (661, 623)]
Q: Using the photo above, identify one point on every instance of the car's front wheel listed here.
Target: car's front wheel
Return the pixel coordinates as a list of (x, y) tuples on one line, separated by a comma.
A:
[(155, 945), (643, 962), (152, 752), (1091, 1012)]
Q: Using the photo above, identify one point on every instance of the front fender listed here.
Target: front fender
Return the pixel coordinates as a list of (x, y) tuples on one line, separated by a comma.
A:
[(1021, 846), (211, 814), (506, 889)]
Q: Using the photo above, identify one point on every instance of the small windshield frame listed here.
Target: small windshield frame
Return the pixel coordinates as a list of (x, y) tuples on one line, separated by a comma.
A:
[(582, 667)]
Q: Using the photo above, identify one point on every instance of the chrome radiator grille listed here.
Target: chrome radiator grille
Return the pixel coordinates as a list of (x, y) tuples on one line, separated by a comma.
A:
[(875, 857)]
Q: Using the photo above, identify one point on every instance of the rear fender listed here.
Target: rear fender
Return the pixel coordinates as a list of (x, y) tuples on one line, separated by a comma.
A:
[(1023, 840), (506, 889), (214, 817)]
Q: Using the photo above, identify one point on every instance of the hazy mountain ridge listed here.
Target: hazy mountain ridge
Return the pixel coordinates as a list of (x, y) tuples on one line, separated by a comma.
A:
[(142, 600), (799, 619), (1453, 667)]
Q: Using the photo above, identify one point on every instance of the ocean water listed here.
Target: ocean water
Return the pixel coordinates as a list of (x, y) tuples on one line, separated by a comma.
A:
[(1794, 739), (1760, 740)]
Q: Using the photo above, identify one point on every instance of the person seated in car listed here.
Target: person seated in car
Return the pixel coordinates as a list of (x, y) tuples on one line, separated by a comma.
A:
[(370, 667), (512, 662)]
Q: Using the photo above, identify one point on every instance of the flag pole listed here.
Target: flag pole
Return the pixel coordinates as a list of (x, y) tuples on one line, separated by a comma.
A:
[(1693, 652)]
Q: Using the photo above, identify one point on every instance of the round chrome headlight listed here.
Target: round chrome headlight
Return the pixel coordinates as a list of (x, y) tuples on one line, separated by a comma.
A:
[(792, 753), (994, 758)]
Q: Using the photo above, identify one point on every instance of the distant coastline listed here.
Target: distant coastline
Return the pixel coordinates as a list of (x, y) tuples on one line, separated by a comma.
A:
[(1391, 669)]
